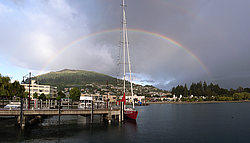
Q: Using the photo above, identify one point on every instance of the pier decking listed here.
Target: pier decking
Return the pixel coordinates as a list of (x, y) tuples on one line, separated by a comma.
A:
[(55, 112), (27, 115)]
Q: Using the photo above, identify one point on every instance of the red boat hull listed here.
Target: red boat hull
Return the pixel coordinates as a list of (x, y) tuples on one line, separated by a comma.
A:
[(128, 114)]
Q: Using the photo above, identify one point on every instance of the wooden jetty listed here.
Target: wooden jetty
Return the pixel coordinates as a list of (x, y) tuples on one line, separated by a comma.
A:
[(55, 112), (26, 115)]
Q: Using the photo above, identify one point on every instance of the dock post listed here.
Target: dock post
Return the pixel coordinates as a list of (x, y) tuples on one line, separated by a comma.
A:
[(21, 121), (59, 111), (122, 111), (54, 104), (120, 118), (41, 104), (68, 102), (26, 103), (120, 115), (49, 103), (85, 104), (21, 113), (92, 111)]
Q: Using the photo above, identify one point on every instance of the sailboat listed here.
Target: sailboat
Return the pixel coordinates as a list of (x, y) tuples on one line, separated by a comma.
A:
[(129, 113)]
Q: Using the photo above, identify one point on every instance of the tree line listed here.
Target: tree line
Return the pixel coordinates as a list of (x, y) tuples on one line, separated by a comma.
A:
[(9, 90), (203, 91)]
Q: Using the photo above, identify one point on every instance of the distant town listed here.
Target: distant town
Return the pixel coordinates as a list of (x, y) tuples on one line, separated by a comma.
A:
[(198, 92), (141, 93), (146, 94)]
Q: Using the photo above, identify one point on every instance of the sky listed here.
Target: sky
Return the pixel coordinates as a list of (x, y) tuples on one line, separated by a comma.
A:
[(171, 41)]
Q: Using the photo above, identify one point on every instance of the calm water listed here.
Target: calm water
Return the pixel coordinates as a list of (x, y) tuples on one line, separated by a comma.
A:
[(222, 122)]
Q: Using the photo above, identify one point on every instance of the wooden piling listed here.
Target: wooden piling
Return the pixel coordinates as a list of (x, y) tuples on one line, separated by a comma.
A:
[(122, 111), (92, 112), (21, 121), (21, 113), (59, 112), (26, 103), (49, 103)]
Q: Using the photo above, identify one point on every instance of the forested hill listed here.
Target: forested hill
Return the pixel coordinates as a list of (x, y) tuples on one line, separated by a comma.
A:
[(74, 78)]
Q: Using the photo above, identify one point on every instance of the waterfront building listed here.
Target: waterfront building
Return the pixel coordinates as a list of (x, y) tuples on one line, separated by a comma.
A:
[(48, 90), (171, 98), (98, 97), (94, 97), (129, 98), (112, 98)]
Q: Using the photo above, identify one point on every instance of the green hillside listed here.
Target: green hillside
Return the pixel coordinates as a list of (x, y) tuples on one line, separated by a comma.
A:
[(74, 78)]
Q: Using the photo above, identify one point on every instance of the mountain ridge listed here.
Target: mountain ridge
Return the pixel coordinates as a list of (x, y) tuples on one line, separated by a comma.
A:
[(74, 78)]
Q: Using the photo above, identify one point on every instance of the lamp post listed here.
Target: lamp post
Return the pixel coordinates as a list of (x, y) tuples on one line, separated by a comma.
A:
[(28, 76)]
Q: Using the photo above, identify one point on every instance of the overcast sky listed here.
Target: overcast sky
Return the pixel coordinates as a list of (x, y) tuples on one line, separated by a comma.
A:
[(214, 35)]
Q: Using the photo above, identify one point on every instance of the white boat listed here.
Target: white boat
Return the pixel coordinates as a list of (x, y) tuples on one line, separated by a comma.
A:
[(130, 113), (13, 105)]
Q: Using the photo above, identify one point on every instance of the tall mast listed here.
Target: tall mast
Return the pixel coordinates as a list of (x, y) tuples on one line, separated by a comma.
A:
[(125, 46)]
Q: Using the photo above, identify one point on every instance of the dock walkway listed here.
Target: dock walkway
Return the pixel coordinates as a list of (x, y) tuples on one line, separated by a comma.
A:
[(55, 112), (29, 115)]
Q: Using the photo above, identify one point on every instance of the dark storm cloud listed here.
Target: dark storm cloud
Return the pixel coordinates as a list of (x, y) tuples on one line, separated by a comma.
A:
[(215, 31)]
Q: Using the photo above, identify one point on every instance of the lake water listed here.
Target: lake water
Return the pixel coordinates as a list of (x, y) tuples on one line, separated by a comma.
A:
[(180, 123)]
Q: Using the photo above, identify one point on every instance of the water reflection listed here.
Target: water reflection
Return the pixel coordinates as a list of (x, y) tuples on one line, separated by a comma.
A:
[(155, 123)]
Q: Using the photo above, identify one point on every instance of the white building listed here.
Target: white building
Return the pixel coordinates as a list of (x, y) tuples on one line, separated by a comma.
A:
[(98, 97), (129, 99), (39, 89)]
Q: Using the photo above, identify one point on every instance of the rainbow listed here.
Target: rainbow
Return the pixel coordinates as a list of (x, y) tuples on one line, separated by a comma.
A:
[(157, 35), (181, 9)]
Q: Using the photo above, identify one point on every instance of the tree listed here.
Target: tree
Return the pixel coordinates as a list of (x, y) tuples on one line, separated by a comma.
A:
[(35, 95), (247, 90), (26, 94), (192, 89), (231, 91), (16, 89), (61, 94), (185, 93), (4, 86), (173, 91), (42, 96), (20, 91), (199, 89), (240, 89), (75, 94), (48, 97), (241, 96), (204, 88), (58, 98)]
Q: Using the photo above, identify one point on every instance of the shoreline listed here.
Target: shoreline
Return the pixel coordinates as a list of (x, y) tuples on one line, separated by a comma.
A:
[(196, 102)]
